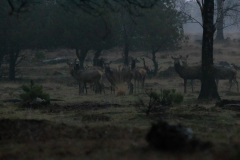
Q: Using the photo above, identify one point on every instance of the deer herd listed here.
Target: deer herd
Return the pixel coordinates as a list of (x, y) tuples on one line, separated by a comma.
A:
[(221, 72), (95, 75), (124, 74)]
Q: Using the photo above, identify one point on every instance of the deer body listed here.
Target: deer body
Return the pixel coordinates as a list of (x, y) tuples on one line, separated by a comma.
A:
[(139, 76), (86, 76), (115, 76), (112, 76), (186, 72), (225, 73), (195, 72)]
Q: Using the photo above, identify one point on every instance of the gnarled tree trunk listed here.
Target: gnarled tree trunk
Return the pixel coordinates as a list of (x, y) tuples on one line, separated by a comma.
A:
[(220, 21), (155, 63), (13, 56), (208, 85), (81, 56)]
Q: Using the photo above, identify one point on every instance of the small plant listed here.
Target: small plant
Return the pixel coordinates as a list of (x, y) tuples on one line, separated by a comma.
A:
[(33, 94), (39, 55), (168, 97), (162, 99)]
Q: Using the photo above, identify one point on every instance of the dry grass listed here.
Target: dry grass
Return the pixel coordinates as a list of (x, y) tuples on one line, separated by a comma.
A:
[(110, 126)]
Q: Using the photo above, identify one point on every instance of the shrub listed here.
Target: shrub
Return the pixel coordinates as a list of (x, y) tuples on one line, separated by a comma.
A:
[(169, 97), (33, 94), (40, 55), (159, 100)]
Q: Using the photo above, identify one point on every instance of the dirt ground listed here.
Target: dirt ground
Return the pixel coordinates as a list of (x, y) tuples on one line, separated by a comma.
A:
[(107, 126)]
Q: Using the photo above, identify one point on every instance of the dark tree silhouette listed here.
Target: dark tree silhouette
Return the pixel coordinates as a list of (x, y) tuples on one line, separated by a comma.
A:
[(208, 84)]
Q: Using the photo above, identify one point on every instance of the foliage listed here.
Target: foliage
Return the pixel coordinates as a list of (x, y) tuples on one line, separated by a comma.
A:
[(164, 98), (39, 55), (33, 94), (160, 28)]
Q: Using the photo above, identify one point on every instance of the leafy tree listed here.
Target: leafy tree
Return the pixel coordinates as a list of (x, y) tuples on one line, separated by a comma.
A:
[(126, 8), (159, 29), (227, 15)]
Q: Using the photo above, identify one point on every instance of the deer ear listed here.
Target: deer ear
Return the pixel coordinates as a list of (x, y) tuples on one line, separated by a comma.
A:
[(69, 63), (180, 62)]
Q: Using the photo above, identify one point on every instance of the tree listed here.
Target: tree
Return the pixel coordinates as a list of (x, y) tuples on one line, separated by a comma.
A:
[(208, 84), (227, 16), (160, 29), (126, 8), (220, 21)]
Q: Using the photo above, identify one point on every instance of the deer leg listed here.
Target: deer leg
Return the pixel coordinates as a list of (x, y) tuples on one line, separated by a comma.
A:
[(79, 88), (192, 84), (138, 81), (135, 85), (103, 88), (130, 87), (143, 81), (112, 89), (85, 86), (230, 82), (236, 84), (185, 86), (217, 80), (95, 87)]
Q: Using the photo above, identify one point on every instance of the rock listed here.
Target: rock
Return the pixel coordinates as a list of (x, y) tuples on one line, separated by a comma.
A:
[(174, 138)]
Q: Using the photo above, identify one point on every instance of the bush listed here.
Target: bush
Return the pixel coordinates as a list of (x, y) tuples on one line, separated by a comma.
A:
[(33, 94), (40, 55), (159, 100), (169, 97)]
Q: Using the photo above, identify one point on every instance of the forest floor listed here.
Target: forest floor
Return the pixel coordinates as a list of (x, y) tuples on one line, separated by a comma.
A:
[(107, 126)]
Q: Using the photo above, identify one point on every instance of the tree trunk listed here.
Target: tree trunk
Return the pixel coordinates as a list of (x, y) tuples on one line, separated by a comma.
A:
[(96, 61), (126, 46), (208, 84), (155, 63), (0, 69), (220, 21), (12, 64), (81, 56), (1, 61)]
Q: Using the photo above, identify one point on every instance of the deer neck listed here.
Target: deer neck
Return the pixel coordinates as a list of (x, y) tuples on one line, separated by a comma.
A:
[(180, 69)]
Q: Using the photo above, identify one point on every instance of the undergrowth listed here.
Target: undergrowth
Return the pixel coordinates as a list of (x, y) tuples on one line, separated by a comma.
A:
[(159, 100)]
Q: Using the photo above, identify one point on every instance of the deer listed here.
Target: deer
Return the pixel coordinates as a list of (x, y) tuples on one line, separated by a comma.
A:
[(112, 76), (186, 72), (223, 73), (195, 72), (139, 74), (115, 76), (86, 76)]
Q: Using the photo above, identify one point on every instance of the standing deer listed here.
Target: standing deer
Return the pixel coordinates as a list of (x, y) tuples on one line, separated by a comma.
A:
[(115, 76), (139, 75), (195, 72), (86, 76), (186, 72), (224, 73), (112, 76)]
